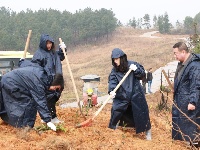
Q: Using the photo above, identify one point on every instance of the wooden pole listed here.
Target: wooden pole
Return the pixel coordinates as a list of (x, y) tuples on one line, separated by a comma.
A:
[(168, 81), (72, 78), (27, 44)]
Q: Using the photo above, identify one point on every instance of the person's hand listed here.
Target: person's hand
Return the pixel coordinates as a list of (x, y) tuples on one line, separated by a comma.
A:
[(191, 107), (52, 126), (62, 45), (53, 88), (133, 67), (112, 93)]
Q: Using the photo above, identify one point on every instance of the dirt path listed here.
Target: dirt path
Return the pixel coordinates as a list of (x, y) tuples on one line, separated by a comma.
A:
[(170, 69), (150, 34)]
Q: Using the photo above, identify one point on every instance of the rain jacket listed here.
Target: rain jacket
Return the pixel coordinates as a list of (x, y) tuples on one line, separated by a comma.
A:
[(23, 94), (129, 105), (187, 90), (49, 59)]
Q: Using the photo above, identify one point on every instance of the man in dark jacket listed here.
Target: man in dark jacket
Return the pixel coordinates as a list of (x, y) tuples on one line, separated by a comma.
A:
[(50, 60), (186, 106), (129, 107), (149, 79), (24, 93)]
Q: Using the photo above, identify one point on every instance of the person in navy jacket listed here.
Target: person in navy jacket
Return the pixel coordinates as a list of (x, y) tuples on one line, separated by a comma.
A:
[(186, 106), (24, 94), (50, 59), (129, 107)]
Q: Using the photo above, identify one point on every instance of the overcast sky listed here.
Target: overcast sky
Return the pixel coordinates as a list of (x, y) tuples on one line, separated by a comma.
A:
[(123, 9)]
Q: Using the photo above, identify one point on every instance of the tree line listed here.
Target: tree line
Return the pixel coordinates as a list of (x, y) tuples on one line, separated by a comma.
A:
[(81, 27), (163, 25)]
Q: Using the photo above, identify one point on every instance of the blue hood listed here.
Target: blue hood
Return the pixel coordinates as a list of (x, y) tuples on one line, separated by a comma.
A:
[(43, 39), (116, 53)]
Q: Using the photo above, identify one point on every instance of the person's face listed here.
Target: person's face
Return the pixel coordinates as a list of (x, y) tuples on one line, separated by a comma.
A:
[(179, 55), (49, 45), (117, 61)]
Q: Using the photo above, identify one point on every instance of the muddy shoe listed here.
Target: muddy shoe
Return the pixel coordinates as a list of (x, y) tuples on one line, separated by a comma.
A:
[(56, 120), (148, 135)]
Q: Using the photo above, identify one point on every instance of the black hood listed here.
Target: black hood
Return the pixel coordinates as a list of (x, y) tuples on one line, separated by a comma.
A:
[(116, 53), (43, 39)]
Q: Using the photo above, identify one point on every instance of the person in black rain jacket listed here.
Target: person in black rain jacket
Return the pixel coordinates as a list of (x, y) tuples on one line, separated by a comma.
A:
[(50, 59), (129, 107)]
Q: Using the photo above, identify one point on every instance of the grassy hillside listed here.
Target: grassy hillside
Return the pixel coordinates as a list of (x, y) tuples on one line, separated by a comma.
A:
[(95, 59)]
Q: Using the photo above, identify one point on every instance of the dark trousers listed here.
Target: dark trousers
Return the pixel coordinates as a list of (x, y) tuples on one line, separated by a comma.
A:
[(52, 98), (144, 86)]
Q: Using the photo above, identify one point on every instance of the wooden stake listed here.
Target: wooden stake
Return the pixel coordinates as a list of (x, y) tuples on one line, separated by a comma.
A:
[(27, 44)]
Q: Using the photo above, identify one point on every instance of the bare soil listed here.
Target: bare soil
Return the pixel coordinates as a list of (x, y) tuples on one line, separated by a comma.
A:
[(96, 136)]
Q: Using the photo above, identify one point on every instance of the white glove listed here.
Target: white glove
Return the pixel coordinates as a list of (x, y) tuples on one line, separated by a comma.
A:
[(52, 126), (133, 67), (112, 93), (62, 45)]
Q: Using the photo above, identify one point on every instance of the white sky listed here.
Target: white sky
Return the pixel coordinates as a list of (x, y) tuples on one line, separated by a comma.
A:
[(123, 9)]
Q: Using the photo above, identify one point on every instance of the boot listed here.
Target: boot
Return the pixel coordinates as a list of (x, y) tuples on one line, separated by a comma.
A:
[(56, 120), (148, 134)]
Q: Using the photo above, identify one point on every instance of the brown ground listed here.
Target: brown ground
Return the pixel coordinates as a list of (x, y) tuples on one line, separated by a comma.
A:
[(97, 136), (96, 60)]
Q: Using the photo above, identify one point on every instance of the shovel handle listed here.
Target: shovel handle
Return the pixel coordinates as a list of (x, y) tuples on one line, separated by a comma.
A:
[(72, 78), (109, 97), (27, 44), (70, 71)]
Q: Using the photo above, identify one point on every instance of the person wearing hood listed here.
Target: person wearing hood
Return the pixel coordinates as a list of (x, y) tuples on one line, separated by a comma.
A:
[(50, 59), (129, 108), (186, 106), (24, 94)]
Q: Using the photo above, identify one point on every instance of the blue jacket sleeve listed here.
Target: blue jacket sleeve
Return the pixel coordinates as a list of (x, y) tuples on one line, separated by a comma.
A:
[(58, 65), (112, 81), (194, 77), (139, 72), (61, 54)]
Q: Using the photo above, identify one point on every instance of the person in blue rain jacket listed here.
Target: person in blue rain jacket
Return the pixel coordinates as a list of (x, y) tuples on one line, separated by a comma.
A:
[(129, 107), (50, 59), (24, 94)]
